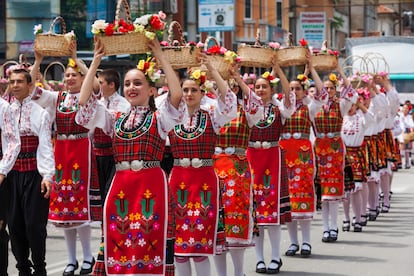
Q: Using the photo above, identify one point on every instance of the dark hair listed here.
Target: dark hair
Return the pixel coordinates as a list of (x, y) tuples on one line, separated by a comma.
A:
[(111, 75), (26, 74), (152, 103)]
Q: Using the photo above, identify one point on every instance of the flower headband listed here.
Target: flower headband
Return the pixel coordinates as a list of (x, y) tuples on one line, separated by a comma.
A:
[(198, 76), (72, 64), (363, 92), (271, 79), (304, 81), (148, 68), (16, 67)]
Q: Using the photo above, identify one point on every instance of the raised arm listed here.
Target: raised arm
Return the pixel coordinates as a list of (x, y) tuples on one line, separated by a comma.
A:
[(345, 80), (88, 82), (236, 76), (221, 84), (172, 78), (314, 74), (283, 80)]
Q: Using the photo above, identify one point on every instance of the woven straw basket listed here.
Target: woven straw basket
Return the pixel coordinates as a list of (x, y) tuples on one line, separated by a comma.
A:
[(218, 61), (255, 55), (324, 62), (124, 43), (292, 56), (182, 55), (52, 44)]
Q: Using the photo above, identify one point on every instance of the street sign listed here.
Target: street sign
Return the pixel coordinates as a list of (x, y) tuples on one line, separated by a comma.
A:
[(312, 27), (215, 15)]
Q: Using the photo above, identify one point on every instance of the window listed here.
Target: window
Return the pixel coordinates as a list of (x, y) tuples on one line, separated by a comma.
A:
[(247, 9), (279, 13)]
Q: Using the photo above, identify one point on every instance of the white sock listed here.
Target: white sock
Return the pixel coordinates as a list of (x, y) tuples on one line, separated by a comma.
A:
[(333, 214), (84, 233), (325, 215), (259, 244), (372, 192), (385, 187), (237, 256), (356, 201), (305, 226), (183, 267), (293, 231), (203, 268), (364, 199), (274, 237), (220, 263), (346, 205)]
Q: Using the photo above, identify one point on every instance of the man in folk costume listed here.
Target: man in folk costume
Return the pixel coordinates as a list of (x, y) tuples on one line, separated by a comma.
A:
[(330, 151), (10, 148), (109, 82), (233, 170), (75, 199), (30, 179), (391, 94), (270, 186), (136, 207), (193, 181)]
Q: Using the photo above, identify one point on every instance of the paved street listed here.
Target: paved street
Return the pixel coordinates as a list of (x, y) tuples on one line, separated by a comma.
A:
[(385, 247)]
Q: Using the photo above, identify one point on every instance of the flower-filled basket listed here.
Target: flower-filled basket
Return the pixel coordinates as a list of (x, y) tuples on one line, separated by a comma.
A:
[(256, 55), (220, 58), (52, 44), (292, 55), (325, 59), (124, 37), (179, 53)]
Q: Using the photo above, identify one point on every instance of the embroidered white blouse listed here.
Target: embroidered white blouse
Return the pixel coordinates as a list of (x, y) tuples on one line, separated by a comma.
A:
[(10, 138), (32, 119), (353, 127)]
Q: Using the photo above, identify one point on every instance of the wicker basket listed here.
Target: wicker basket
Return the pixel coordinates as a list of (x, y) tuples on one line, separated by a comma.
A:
[(218, 62), (54, 84), (52, 44), (124, 43), (292, 56), (324, 62), (181, 55), (255, 55)]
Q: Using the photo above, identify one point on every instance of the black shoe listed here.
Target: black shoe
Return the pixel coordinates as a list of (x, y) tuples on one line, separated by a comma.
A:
[(87, 270), (70, 269), (293, 248), (306, 250), (333, 235), (261, 270), (364, 219), (345, 226), (357, 227), (275, 270), (385, 209), (326, 236)]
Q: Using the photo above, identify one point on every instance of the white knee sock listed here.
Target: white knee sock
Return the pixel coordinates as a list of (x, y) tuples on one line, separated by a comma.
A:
[(293, 231), (372, 193), (305, 226), (356, 201), (70, 238), (385, 187), (183, 266), (325, 215), (364, 202), (203, 268), (259, 244), (220, 263), (84, 233), (346, 205), (237, 256), (274, 237), (333, 214)]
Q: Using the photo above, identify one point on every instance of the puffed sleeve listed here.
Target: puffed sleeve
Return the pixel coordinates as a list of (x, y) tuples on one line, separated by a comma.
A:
[(348, 96), (10, 138), (220, 112), (46, 99), (286, 112), (45, 155), (251, 106), (169, 116)]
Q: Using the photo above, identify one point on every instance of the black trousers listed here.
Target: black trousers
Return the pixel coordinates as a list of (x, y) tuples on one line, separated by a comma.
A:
[(27, 221), (106, 171), (4, 236)]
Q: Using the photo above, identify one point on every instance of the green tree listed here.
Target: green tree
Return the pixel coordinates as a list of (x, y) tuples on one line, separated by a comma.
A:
[(74, 13)]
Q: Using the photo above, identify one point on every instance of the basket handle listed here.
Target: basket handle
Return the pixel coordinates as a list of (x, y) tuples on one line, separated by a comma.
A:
[(123, 3), (4, 67), (207, 42), (62, 24), (50, 66), (175, 33)]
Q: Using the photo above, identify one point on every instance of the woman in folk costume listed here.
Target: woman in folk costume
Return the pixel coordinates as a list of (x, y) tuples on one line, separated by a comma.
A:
[(233, 170), (330, 151), (270, 185), (300, 161), (383, 81), (353, 130), (135, 210), (75, 199), (193, 181), (407, 126)]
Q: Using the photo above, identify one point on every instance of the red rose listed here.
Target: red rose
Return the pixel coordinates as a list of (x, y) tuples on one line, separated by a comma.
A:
[(110, 29), (156, 23), (122, 29), (303, 42), (214, 50)]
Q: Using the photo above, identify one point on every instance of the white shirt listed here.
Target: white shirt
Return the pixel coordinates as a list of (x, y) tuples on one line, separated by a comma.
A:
[(353, 127), (10, 138), (33, 120)]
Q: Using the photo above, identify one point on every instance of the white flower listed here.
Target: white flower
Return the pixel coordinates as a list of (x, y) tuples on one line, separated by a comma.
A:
[(59, 199), (235, 229), (184, 227), (37, 29), (231, 183), (143, 20), (128, 243), (157, 259), (65, 210), (196, 213), (190, 213), (230, 192), (200, 227), (142, 242), (72, 199), (99, 26), (111, 261), (191, 240)]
